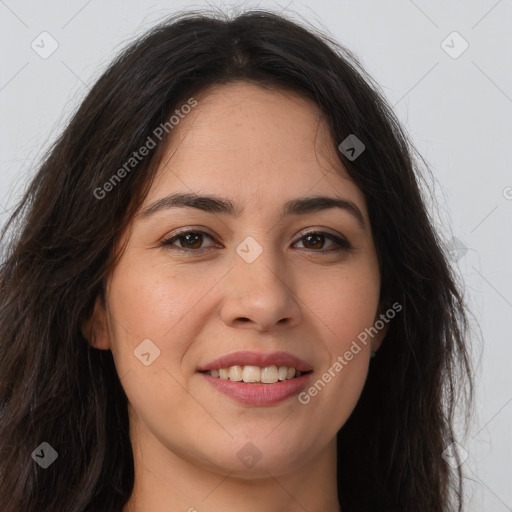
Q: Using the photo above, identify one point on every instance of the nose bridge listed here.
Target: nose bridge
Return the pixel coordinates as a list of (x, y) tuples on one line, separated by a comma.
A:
[(258, 261), (261, 291)]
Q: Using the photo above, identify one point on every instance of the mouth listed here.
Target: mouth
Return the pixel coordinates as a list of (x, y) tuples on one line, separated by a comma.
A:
[(259, 379)]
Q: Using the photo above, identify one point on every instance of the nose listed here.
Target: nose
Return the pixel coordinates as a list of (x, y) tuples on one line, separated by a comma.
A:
[(260, 295)]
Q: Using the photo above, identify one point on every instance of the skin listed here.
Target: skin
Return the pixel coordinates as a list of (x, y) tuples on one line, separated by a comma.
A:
[(259, 148)]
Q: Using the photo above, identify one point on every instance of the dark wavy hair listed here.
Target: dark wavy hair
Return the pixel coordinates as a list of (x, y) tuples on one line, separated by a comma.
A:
[(60, 246)]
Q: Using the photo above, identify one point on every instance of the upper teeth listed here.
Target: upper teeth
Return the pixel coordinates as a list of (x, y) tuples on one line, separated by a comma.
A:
[(266, 375)]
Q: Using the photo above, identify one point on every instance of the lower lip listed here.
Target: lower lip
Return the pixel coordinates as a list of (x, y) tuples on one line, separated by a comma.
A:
[(259, 394)]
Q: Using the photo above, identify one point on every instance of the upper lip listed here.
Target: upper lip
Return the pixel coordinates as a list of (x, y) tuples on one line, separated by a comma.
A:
[(244, 358)]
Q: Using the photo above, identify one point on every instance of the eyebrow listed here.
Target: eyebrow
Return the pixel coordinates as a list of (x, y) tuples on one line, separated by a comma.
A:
[(215, 204)]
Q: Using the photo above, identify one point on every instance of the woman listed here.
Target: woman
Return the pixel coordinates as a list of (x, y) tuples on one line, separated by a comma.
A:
[(225, 292)]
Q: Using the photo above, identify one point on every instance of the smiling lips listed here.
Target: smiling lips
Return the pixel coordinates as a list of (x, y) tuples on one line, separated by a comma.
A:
[(254, 378), (249, 374)]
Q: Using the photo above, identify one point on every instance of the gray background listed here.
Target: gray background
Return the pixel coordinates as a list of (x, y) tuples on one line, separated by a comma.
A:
[(458, 112)]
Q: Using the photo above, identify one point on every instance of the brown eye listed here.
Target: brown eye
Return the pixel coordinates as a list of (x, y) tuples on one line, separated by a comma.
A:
[(316, 240), (188, 240), (191, 240)]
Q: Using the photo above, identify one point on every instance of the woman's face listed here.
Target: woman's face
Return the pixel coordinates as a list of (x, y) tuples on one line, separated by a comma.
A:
[(248, 283)]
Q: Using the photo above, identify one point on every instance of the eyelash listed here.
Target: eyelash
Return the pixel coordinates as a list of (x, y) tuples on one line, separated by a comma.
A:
[(343, 244)]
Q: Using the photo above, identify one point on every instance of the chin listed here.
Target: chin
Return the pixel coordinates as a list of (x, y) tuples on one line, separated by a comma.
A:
[(258, 454)]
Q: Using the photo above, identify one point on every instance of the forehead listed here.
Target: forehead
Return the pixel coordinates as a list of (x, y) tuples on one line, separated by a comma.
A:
[(259, 144)]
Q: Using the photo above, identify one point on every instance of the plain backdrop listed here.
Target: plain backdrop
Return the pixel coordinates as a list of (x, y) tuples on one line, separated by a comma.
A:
[(455, 102)]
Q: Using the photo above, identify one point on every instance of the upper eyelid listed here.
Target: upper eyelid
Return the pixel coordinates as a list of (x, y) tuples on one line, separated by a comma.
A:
[(301, 233)]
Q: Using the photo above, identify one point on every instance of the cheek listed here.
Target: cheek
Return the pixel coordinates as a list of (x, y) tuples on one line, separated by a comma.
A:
[(352, 313), (347, 306), (155, 302), (150, 300)]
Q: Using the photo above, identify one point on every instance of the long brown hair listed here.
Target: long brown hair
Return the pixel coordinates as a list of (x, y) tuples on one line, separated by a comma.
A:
[(55, 388)]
